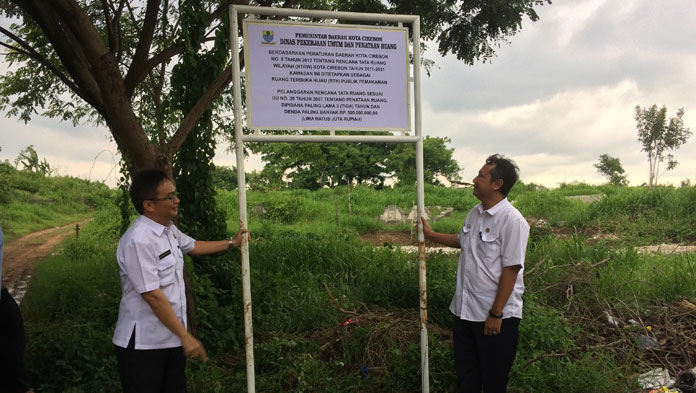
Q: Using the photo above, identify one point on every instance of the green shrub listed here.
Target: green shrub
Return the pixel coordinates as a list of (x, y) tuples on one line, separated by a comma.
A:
[(298, 252), (30, 201), (70, 310)]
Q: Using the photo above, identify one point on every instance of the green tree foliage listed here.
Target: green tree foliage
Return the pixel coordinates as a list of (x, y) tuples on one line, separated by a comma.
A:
[(193, 167), (268, 179), (658, 135), (5, 181), (29, 159), (470, 29), (314, 165), (225, 178), (611, 168), (437, 161)]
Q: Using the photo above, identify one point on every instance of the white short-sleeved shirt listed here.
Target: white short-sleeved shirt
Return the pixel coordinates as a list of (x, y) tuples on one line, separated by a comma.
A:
[(490, 240), (150, 256)]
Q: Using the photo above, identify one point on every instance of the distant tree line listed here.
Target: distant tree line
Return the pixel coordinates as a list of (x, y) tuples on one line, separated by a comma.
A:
[(315, 165)]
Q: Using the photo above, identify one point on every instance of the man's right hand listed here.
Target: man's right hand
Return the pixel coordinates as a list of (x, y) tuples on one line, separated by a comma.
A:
[(442, 238), (193, 348), (426, 228)]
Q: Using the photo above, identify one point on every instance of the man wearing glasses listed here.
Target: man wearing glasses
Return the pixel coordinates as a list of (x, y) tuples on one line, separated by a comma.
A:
[(151, 338)]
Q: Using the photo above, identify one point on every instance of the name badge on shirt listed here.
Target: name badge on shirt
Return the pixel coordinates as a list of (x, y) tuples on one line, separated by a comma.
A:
[(165, 254)]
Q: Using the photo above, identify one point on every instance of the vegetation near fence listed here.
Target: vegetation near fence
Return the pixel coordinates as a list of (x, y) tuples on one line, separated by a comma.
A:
[(30, 201), (334, 313)]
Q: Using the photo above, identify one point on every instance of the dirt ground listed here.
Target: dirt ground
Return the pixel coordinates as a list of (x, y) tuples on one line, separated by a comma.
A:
[(21, 255), (382, 238)]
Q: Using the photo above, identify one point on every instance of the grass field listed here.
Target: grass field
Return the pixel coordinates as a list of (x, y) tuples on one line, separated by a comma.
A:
[(580, 263), (30, 201)]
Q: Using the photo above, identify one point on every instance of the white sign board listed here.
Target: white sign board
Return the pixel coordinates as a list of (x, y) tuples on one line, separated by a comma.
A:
[(302, 76)]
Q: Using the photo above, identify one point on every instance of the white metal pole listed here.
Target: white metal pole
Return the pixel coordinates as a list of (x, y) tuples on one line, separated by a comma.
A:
[(246, 282), (418, 140), (422, 282)]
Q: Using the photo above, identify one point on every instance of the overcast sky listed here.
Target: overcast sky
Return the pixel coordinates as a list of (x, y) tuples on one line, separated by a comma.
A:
[(559, 95)]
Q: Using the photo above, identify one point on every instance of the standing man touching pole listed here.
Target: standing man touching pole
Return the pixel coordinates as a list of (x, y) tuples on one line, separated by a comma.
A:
[(151, 339), (487, 303)]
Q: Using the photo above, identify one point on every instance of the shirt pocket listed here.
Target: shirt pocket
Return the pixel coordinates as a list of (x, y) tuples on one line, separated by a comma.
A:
[(489, 246), (465, 237), (166, 270)]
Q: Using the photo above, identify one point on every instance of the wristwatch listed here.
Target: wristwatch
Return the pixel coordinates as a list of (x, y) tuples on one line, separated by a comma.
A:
[(490, 312), (231, 243)]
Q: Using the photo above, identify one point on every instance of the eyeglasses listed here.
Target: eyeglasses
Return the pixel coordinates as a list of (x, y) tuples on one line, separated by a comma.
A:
[(170, 197)]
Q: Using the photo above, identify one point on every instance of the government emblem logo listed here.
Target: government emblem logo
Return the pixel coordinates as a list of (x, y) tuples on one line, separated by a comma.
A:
[(268, 37)]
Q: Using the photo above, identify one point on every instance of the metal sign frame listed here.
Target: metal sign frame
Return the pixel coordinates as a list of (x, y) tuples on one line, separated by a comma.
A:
[(241, 138), (336, 29)]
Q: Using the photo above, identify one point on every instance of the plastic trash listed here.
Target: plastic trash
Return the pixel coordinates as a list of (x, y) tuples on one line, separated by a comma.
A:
[(350, 321), (365, 371), (655, 379), (614, 322), (645, 342), (665, 389)]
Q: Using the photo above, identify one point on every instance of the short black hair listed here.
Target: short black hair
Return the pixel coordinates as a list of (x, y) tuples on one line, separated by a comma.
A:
[(504, 169), (144, 186)]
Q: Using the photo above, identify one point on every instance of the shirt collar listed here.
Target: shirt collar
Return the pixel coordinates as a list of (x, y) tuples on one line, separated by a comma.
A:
[(497, 207), (154, 226)]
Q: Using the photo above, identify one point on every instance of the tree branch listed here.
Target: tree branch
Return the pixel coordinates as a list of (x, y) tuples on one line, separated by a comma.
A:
[(132, 80), (161, 58), (33, 54), (68, 50), (203, 104), (137, 71), (14, 48), (118, 51), (109, 26), (118, 111)]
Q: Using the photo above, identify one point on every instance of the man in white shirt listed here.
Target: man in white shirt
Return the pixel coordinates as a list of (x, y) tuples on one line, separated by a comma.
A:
[(487, 302), (151, 337)]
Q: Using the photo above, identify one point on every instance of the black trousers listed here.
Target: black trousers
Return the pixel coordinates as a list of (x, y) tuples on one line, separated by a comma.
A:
[(151, 370), (13, 377), (483, 362)]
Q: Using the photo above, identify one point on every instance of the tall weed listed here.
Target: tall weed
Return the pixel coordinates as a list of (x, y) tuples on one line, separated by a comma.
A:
[(30, 201), (70, 310)]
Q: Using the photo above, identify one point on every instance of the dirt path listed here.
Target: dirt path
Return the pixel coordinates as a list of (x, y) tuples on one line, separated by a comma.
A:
[(21, 255)]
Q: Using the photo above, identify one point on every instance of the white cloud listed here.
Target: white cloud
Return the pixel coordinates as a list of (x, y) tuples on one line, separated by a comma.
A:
[(558, 138), (570, 18), (84, 151)]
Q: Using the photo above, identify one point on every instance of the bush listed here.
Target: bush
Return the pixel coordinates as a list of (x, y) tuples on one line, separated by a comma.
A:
[(301, 344), (70, 310), (30, 201)]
